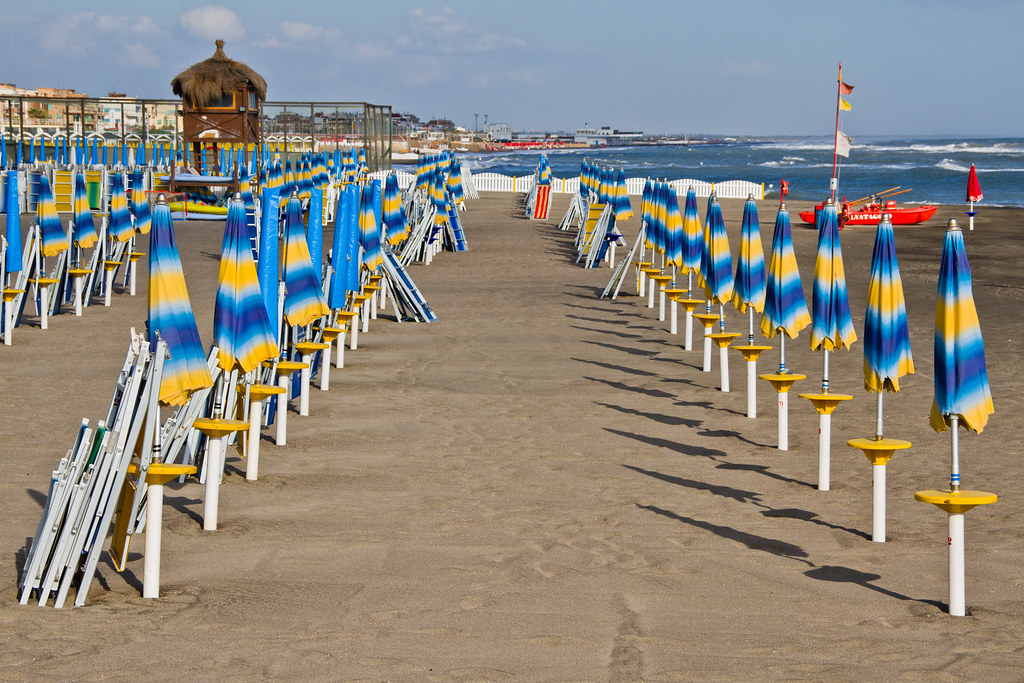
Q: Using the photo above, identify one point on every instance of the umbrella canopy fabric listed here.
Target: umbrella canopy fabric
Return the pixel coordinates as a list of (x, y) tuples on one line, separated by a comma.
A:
[(369, 226), (718, 277), (52, 238), (673, 229), (887, 354), (12, 230), (345, 237), (241, 327), (961, 377), (455, 188), (973, 186), (693, 238), (170, 314), (394, 219), (85, 229), (120, 219), (140, 205), (785, 308), (831, 325), (303, 299), (750, 279)]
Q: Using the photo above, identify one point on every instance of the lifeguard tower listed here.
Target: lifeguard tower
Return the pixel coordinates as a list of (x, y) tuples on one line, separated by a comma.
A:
[(221, 105)]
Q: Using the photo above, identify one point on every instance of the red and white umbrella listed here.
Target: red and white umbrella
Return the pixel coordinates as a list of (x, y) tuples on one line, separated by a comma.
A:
[(973, 192)]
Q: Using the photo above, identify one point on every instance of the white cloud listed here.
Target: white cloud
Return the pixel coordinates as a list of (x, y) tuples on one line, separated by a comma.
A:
[(753, 67), (139, 55), (373, 50), (302, 32), (446, 32), (64, 35), (213, 22)]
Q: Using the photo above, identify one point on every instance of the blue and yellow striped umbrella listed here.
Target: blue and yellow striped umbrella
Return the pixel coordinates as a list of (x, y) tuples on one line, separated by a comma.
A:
[(750, 281), (961, 377), (241, 327), (455, 188), (623, 210), (84, 234), (120, 218), (170, 314), (718, 278), (140, 205), (439, 200), (831, 326), (693, 238), (673, 229), (303, 299), (785, 308), (53, 240), (396, 227), (887, 354), (369, 228)]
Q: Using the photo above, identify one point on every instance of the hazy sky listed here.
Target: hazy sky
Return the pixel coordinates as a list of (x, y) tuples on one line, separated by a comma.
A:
[(919, 67)]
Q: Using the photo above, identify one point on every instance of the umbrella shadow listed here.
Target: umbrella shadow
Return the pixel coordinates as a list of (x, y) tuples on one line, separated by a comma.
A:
[(812, 517), (653, 393), (603, 321), (614, 333), (752, 541), (210, 255), (625, 349), (708, 405), (681, 448), (763, 469), (38, 496), (673, 420), (718, 433), (613, 366), (182, 505), (839, 574), (739, 495)]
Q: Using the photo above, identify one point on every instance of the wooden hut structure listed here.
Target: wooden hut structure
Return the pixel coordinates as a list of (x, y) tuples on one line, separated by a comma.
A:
[(221, 104)]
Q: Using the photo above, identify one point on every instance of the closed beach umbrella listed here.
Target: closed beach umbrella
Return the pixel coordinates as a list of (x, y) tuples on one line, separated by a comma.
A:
[(785, 308), (718, 277), (673, 229), (140, 205), (84, 234), (831, 325), (395, 228), (12, 229), (53, 239), (693, 239), (887, 354), (32, 151), (303, 300), (750, 278), (961, 378), (455, 188), (973, 192), (241, 327), (369, 227), (345, 251), (170, 314), (120, 219)]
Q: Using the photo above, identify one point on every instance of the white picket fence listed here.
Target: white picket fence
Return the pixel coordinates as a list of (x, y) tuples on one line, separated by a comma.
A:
[(498, 182)]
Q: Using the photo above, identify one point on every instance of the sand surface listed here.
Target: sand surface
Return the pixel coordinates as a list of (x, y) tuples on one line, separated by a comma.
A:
[(544, 486)]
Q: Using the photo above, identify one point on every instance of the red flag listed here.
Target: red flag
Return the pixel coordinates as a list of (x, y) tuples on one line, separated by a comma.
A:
[(785, 187), (845, 88), (973, 187)]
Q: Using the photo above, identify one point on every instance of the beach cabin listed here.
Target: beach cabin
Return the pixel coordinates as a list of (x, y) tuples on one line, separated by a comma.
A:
[(221, 102)]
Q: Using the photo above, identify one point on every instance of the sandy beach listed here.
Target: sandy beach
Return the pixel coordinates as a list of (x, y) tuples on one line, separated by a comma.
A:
[(543, 486)]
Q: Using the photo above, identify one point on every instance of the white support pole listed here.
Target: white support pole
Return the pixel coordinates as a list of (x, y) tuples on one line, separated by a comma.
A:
[(8, 322), (641, 283), (365, 313), (673, 324), (44, 308), (214, 467), (108, 286), (661, 303), (339, 357), (611, 254), (304, 378), (281, 438), (824, 445), (353, 324), (651, 293), (707, 351), (252, 452), (783, 420), (131, 275), (878, 503), (723, 361), (957, 593), (154, 527), (325, 369), (383, 294), (373, 304), (688, 340), (78, 296), (751, 389)]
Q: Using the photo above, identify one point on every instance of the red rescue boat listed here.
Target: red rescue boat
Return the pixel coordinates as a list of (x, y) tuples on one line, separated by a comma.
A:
[(872, 214)]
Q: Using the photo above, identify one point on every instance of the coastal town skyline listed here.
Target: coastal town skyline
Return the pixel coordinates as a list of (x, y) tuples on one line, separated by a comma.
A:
[(665, 68)]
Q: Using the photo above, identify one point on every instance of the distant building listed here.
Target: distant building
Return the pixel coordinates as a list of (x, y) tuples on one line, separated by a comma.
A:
[(599, 137), (498, 132)]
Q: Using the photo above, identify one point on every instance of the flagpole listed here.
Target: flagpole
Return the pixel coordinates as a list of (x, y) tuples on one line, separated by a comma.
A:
[(835, 138)]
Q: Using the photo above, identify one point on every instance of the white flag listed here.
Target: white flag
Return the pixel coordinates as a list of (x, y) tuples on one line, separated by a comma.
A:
[(843, 142)]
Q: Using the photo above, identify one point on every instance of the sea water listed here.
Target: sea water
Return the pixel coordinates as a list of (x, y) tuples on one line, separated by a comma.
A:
[(933, 169)]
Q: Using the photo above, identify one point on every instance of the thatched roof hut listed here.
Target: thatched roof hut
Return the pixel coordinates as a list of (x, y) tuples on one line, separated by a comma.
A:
[(211, 78)]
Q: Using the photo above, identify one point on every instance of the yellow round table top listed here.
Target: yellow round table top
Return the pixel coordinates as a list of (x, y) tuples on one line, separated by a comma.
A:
[(362, 297), (218, 427), (956, 502), (371, 288), (708, 319), (160, 473), (287, 367), (43, 281), (753, 347), (79, 272), (782, 376), (826, 403), (724, 336), (258, 392), (674, 292), (661, 278), (347, 314), (311, 347), (10, 294), (135, 255), (111, 265), (879, 445)]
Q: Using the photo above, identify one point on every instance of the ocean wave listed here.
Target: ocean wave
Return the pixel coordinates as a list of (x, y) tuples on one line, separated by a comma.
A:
[(1004, 148), (950, 165), (786, 163)]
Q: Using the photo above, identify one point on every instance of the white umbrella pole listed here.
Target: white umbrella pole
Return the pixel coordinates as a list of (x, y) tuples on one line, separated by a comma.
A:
[(957, 593), (707, 344), (214, 467), (281, 437), (651, 286), (688, 343), (954, 455), (661, 302), (154, 526), (824, 437), (971, 214), (878, 504), (723, 352), (252, 453)]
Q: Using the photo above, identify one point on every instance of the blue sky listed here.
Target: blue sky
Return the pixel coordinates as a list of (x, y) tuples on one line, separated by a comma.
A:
[(919, 67)]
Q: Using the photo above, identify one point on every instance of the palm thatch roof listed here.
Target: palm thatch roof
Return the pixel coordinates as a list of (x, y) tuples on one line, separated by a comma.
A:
[(211, 78)]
